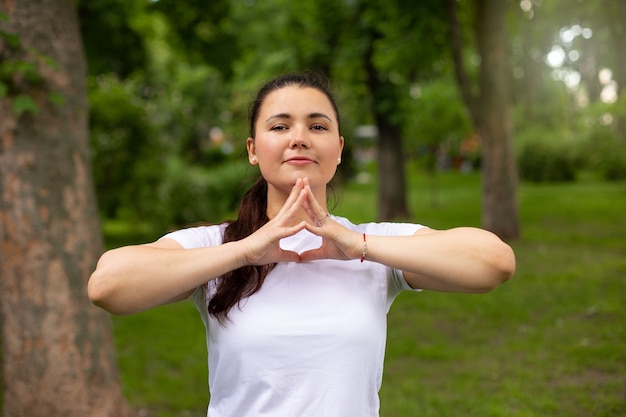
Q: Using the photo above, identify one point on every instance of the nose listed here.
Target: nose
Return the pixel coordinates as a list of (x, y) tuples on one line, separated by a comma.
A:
[(300, 138)]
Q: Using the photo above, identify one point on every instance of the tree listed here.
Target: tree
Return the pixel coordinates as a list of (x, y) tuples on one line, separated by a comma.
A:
[(489, 107), (391, 62), (392, 202), (56, 347)]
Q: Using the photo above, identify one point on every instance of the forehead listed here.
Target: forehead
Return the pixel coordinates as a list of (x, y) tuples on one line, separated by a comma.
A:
[(296, 100)]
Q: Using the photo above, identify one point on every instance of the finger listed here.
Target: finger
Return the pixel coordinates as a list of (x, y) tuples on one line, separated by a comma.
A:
[(286, 231), (296, 190), (292, 210), (316, 212)]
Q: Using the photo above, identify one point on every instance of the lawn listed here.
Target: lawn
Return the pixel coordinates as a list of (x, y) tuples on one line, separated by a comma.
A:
[(550, 342)]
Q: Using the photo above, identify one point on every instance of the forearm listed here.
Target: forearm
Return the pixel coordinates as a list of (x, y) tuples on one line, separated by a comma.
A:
[(461, 259), (135, 278)]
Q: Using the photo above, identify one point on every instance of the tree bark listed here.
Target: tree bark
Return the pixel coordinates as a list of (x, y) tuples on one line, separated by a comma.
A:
[(491, 114), (392, 202), (500, 211), (57, 350)]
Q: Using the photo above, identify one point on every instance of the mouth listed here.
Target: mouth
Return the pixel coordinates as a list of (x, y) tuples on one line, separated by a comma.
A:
[(298, 160)]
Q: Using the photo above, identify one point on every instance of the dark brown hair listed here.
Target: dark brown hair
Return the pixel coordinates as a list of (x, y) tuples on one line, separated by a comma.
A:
[(245, 281)]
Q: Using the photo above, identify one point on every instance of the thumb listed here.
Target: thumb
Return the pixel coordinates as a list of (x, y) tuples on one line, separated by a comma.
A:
[(288, 256), (312, 255)]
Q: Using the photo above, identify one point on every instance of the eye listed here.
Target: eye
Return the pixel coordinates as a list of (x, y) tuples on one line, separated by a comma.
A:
[(278, 127), (318, 127)]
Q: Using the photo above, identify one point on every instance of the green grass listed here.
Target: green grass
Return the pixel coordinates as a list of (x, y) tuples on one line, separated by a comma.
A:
[(550, 342)]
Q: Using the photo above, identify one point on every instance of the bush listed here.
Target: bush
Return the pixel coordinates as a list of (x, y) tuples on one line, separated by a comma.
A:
[(547, 162), (605, 155), (126, 152), (194, 194)]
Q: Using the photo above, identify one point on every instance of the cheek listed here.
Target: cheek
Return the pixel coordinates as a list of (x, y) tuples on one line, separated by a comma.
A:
[(269, 153)]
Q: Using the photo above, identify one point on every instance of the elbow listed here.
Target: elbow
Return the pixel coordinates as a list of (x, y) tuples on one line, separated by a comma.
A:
[(101, 291), (103, 297), (506, 264), (503, 267)]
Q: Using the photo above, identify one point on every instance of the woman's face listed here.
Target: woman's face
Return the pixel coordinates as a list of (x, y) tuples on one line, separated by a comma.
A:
[(297, 136)]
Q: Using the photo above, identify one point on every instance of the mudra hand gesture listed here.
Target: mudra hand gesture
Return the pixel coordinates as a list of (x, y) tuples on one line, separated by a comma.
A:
[(263, 246)]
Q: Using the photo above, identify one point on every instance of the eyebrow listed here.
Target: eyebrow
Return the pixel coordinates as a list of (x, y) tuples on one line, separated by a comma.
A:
[(288, 116)]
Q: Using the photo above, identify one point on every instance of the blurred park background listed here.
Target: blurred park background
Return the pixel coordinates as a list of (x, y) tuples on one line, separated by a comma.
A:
[(169, 83)]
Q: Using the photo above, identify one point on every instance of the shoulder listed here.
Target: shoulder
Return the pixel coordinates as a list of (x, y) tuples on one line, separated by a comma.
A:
[(381, 228), (198, 237)]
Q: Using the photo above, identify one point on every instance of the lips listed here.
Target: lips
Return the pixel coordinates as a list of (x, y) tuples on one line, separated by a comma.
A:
[(299, 160)]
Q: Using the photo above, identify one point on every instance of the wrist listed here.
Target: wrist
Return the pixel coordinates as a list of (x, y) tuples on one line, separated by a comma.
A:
[(240, 249), (364, 248)]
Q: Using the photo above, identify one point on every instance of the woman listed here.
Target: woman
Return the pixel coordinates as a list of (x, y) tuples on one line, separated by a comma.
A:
[(294, 299)]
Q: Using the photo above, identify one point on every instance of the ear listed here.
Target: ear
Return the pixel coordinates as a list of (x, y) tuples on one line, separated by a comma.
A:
[(251, 151), (341, 142)]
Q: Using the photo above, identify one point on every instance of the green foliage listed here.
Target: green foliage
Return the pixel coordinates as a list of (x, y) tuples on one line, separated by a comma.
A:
[(605, 154), (153, 160), (194, 194), (56, 99), (127, 158), (544, 161), (12, 40), (21, 73), (604, 145), (187, 109), (201, 32), (193, 67), (113, 42), (23, 104), (411, 38), (17, 70), (437, 119)]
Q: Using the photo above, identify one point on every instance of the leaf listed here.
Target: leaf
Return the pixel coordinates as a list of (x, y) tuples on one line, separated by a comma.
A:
[(56, 99), (23, 103), (13, 41), (50, 62)]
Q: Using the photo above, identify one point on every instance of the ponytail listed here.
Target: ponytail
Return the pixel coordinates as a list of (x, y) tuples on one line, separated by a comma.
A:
[(245, 281)]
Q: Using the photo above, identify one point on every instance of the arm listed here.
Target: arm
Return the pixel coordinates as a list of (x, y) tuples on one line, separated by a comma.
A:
[(135, 278), (462, 259)]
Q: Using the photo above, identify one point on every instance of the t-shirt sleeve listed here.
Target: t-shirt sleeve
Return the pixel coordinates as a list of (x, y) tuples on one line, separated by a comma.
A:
[(194, 238), (198, 237), (397, 283)]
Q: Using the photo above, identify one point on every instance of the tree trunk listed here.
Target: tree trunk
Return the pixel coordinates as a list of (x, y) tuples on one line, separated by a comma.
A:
[(392, 202), (500, 211), (57, 350), (491, 114)]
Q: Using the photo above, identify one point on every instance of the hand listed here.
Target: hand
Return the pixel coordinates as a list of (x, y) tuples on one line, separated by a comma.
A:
[(338, 242), (263, 246)]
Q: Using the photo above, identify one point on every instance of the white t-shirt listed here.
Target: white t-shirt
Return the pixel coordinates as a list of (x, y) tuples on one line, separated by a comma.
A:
[(310, 342)]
